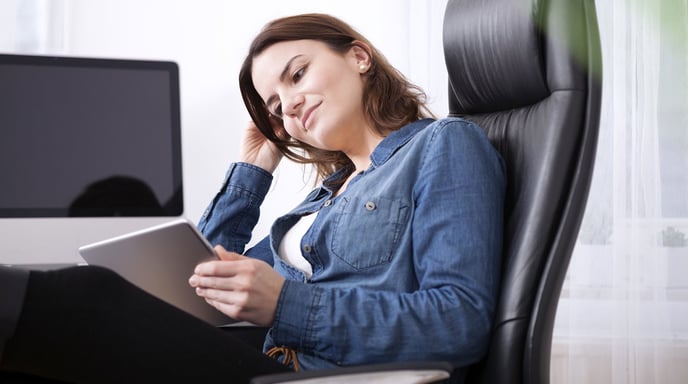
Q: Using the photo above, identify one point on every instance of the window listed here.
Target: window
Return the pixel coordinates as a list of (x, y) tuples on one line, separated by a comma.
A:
[(623, 313)]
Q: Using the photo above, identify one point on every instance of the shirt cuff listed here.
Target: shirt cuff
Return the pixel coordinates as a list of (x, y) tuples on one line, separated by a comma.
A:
[(294, 325), (248, 177)]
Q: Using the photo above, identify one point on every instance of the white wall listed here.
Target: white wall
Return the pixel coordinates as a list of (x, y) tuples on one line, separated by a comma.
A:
[(208, 39)]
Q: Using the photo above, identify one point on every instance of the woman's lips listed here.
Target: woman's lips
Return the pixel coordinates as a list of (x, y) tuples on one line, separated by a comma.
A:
[(307, 115)]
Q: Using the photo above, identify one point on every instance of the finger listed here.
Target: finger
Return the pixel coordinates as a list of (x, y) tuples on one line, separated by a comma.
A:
[(213, 268), (226, 267), (228, 297), (216, 283), (228, 309), (225, 299), (203, 281)]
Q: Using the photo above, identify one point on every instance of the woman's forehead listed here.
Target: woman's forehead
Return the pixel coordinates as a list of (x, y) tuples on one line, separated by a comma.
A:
[(277, 55), (270, 65)]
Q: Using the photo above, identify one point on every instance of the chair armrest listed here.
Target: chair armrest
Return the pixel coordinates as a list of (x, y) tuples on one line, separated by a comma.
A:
[(389, 373)]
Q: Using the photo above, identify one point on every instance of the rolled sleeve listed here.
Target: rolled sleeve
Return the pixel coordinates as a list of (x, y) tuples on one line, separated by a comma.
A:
[(295, 315), (234, 211)]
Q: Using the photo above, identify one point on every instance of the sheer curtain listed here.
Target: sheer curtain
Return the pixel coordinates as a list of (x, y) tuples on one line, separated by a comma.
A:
[(623, 312), (38, 26)]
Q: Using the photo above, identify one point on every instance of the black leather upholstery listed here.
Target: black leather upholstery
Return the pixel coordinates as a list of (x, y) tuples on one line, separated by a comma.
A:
[(529, 73)]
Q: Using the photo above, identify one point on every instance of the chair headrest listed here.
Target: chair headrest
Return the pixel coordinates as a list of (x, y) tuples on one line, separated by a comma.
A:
[(504, 54)]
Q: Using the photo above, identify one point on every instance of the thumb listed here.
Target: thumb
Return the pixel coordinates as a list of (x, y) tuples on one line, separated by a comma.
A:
[(225, 255)]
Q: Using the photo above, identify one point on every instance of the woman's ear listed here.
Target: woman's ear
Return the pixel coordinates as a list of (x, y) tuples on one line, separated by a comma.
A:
[(360, 54)]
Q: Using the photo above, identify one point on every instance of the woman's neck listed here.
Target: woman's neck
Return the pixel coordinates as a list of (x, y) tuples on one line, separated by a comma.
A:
[(360, 154)]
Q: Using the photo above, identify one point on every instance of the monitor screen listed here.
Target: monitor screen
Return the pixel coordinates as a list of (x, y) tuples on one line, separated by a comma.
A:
[(85, 137)]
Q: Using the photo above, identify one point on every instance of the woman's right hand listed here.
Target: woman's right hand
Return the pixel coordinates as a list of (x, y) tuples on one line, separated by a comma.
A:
[(256, 149)]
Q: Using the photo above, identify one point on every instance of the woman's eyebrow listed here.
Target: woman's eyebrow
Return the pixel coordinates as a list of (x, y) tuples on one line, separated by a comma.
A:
[(282, 76), (285, 71)]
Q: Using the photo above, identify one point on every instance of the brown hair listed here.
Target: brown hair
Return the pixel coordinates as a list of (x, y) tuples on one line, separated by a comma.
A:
[(389, 99)]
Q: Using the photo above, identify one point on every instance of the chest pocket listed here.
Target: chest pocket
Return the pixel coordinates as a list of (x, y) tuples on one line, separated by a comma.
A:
[(366, 230)]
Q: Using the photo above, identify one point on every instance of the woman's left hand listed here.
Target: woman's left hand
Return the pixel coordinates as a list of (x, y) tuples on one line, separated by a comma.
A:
[(241, 287)]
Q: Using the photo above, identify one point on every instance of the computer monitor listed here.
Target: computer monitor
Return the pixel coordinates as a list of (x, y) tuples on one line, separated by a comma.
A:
[(89, 147)]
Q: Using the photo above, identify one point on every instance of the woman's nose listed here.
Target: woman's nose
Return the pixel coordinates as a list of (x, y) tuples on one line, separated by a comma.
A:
[(292, 103)]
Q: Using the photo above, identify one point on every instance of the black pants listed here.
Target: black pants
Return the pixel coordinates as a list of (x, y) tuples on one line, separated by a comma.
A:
[(88, 325)]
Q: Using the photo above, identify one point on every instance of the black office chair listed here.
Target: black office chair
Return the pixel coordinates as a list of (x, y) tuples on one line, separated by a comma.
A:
[(529, 73)]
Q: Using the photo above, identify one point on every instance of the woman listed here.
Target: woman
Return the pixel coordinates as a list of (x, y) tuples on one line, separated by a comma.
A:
[(394, 257)]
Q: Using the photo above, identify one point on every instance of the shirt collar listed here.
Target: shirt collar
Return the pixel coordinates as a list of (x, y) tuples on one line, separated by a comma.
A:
[(396, 140), (386, 148)]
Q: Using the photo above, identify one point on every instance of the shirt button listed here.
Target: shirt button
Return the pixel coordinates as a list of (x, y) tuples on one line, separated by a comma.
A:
[(328, 203), (307, 248), (370, 206)]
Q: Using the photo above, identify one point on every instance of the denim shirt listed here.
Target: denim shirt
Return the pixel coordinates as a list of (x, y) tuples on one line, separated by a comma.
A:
[(405, 261)]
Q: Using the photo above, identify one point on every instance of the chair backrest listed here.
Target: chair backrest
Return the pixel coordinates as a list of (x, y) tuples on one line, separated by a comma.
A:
[(529, 72)]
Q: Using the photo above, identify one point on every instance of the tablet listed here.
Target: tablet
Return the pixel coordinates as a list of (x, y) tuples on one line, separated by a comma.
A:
[(160, 260)]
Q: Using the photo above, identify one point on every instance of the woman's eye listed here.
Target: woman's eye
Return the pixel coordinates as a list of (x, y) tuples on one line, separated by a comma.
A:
[(277, 111), (298, 74)]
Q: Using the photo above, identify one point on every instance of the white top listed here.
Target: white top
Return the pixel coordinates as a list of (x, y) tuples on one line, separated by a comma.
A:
[(290, 247)]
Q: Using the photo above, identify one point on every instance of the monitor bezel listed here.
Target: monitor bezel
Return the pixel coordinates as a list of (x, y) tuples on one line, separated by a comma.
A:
[(175, 206)]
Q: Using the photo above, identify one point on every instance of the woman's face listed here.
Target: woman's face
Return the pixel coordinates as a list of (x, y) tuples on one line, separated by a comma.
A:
[(315, 91)]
